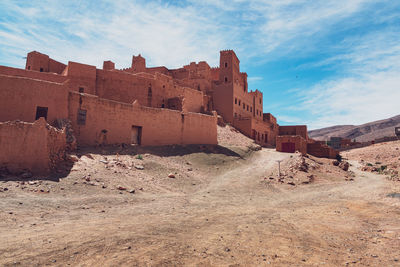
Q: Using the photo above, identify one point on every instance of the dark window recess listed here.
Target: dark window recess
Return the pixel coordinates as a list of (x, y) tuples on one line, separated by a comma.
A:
[(260, 100), (247, 107), (163, 106), (244, 106), (41, 112), (226, 65), (235, 100), (41, 69), (29, 67), (226, 79), (81, 117), (81, 90), (251, 109)]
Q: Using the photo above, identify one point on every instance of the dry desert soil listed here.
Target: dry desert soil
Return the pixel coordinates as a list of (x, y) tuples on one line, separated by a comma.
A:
[(225, 206)]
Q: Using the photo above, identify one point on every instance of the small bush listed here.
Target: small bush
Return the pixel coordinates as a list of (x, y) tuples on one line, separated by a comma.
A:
[(369, 164), (139, 157)]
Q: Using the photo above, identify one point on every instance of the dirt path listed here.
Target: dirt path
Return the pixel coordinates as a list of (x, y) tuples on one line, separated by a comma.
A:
[(235, 219)]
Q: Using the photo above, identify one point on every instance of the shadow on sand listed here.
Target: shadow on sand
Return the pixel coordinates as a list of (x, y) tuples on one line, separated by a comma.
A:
[(64, 169)]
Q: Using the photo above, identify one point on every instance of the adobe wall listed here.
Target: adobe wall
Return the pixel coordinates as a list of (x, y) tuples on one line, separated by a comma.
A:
[(242, 102), (19, 98), (81, 76), (149, 90), (294, 130), (299, 142), (159, 126), (36, 147), (222, 100), (46, 76), (321, 151), (257, 104), (43, 63)]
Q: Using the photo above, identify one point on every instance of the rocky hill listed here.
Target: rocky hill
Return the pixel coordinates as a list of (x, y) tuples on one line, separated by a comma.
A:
[(365, 132)]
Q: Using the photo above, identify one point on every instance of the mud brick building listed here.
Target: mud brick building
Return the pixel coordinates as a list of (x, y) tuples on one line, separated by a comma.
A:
[(139, 105)]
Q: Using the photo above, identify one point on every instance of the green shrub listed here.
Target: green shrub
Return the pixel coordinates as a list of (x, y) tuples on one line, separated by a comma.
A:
[(139, 157)]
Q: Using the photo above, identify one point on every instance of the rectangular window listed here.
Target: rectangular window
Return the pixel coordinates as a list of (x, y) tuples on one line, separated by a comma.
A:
[(81, 117), (239, 102), (81, 90), (260, 100), (235, 100), (244, 106), (251, 109), (247, 107)]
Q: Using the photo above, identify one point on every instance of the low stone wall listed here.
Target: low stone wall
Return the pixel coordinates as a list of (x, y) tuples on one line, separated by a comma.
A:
[(35, 147), (321, 150)]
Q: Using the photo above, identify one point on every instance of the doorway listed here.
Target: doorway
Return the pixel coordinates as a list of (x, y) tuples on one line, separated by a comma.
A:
[(136, 135), (288, 147), (41, 112)]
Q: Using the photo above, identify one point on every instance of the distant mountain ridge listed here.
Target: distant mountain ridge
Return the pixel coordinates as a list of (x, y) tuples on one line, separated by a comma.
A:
[(365, 132)]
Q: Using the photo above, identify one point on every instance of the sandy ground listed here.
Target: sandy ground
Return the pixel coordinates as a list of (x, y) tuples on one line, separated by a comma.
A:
[(221, 209)]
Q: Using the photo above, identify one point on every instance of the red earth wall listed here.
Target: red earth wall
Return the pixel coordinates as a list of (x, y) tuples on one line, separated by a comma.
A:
[(300, 144), (159, 126), (20, 97), (36, 147)]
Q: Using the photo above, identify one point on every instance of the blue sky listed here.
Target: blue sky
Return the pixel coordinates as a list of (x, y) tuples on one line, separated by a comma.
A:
[(319, 63)]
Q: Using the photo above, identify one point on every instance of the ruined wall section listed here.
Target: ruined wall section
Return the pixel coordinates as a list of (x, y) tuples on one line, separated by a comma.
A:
[(35, 147), (321, 150), (111, 122), (43, 63)]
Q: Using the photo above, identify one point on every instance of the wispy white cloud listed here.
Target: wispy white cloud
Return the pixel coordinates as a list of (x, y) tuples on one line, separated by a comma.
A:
[(367, 89)]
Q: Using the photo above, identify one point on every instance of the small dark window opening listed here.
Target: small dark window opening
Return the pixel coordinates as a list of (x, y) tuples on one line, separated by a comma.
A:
[(104, 131), (226, 64), (266, 138), (149, 96), (239, 102), (244, 106), (81, 89), (260, 100), (251, 109), (247, 107), (162, 106), (41, 69), (235, 100), (198, 87), (226, 79), (81, 120), (41, 112), (29, 67)]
